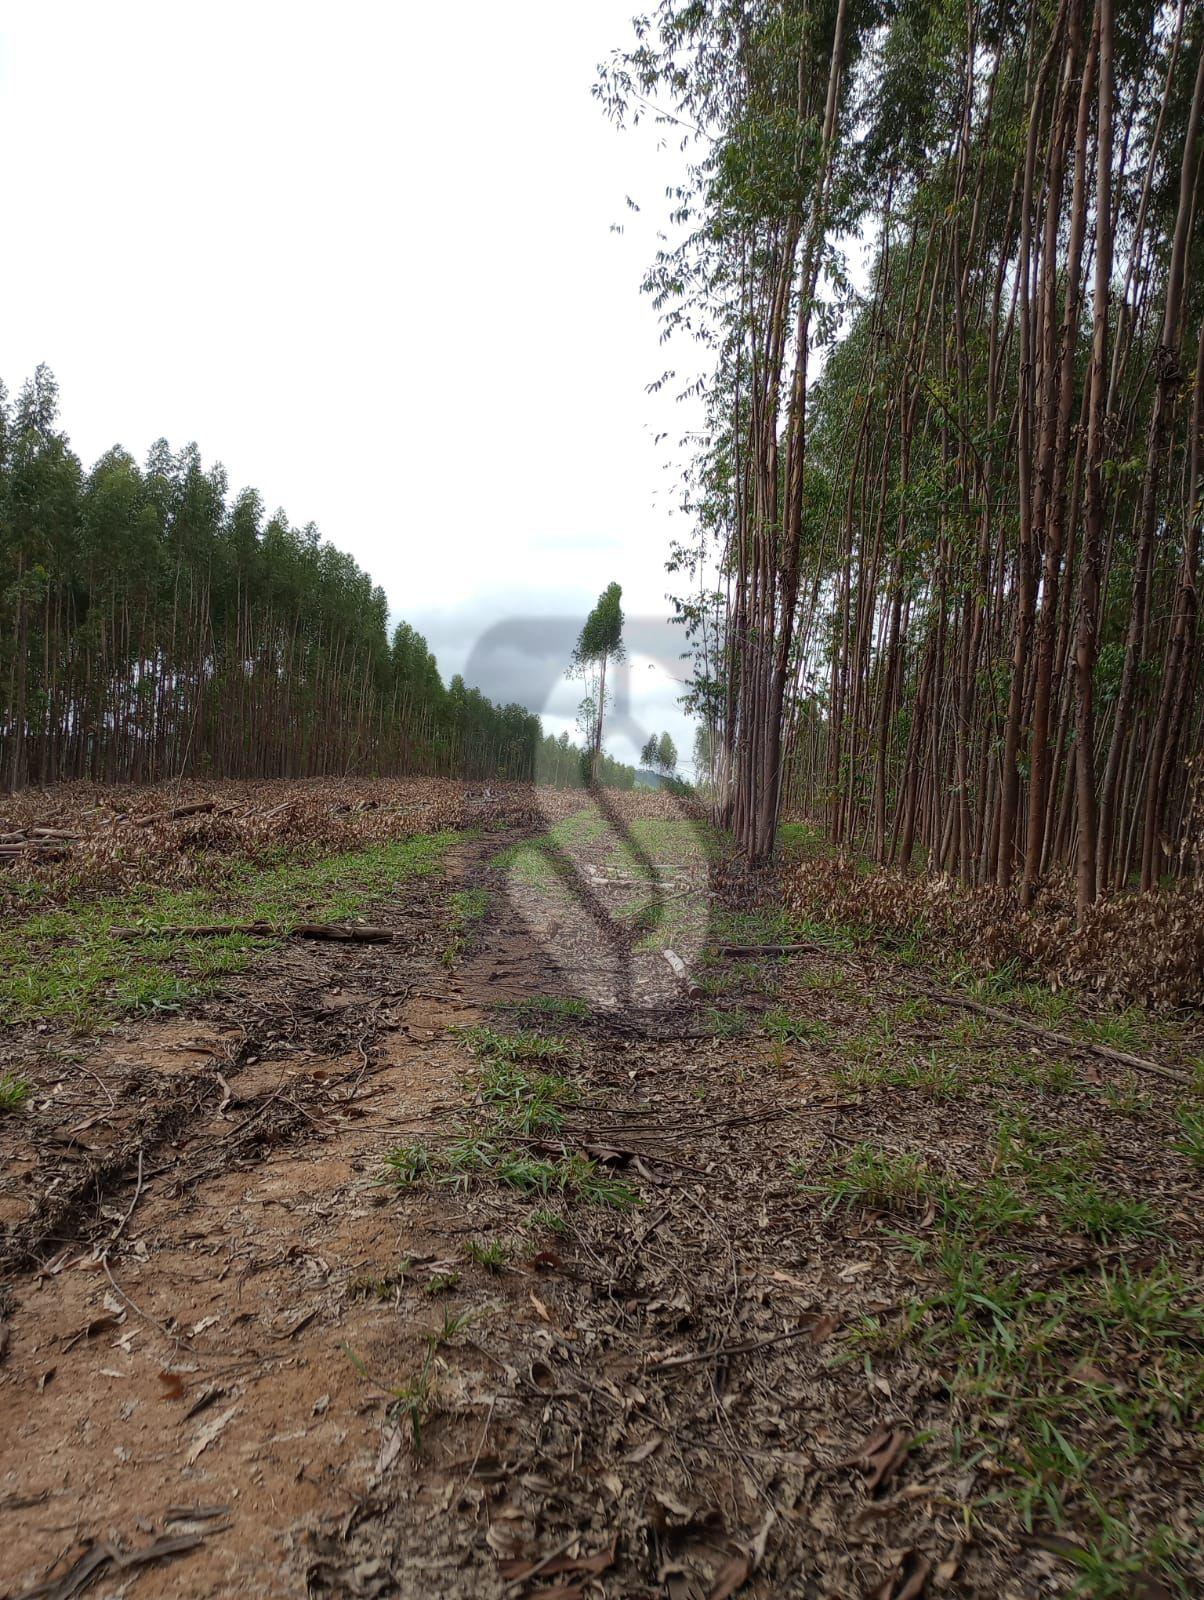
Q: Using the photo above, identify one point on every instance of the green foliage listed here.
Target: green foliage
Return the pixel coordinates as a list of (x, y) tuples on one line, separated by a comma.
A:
[(553, 1005), (563, 765), (871, 1177), (491, 1254), (14, 1092), (407, 1163), (601, 638), (150, 624), (523, 1044), (600, 642), (1191, 1145), (786, 1028), (528, 1102), (468, 907), (546, 1221), (70, 965), (527, 1110), (725, 1024), (660, 754)]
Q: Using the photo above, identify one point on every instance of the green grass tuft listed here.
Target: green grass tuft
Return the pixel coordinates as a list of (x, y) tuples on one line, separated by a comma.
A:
[(1191, 1145), (523, 1044), (14, 1092)]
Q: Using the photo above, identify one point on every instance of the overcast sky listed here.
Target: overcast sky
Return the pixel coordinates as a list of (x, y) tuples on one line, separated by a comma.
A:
[(362, 254)]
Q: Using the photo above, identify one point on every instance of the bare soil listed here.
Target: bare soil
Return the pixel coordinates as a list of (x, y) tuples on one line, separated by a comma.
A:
[(217, 1315)]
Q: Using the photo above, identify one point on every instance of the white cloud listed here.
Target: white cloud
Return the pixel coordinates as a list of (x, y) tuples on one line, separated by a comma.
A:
[(363, 256)]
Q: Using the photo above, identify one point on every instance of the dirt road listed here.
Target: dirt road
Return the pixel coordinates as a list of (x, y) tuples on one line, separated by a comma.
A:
[(488, 1263)]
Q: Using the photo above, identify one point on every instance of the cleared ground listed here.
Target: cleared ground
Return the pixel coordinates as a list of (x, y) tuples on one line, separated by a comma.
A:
[(491, 1261)]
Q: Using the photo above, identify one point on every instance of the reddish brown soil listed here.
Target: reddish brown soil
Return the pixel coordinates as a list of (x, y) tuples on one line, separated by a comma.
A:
[(202, 1362), (215, 1308)]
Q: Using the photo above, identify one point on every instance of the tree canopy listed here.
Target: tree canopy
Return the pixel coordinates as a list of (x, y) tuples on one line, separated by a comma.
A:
[(600, 643), (152, 624), (954, 499)]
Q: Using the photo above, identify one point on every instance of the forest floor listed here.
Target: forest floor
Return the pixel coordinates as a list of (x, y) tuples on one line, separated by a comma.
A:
[(493, 1262)]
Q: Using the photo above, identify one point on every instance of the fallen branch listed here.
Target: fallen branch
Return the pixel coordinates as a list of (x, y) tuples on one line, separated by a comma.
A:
[(198, 808), (745, 1347), (770, 949), (343, 933), (1062, 1039), (92, 1565), (1139, 1063)]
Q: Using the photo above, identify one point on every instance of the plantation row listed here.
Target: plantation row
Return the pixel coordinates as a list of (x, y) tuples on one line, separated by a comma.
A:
[(959, 617), (152, 626)]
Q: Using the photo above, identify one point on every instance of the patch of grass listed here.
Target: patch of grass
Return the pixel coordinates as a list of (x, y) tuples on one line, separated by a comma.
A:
[(515, 1169), (1126, 1099), (873, 1178), (730, 977), (552, 1005), (877, 1038), (491, 1254), (468, 907), (413, 1400), (1055, 1168), (786, 1028), (596, 1186), (534, 862), (1049, 1076), (796, 839), (407, 1164), (525, 1105), (547, 1221), (529, 1102), (965, 1033), (831, 982), (383, 1287), (725, 1024), (938, 1080), (1043, 1366), (767, 925), (1114, 1565), (988, 1209), (522, 1044), (1000, 988), (665, 841), (441, 1283), (454, 1324), (1123, 1030), (482, 1156), (70, 966), (1191, 1145), (1086, 1208), (14, 1092)]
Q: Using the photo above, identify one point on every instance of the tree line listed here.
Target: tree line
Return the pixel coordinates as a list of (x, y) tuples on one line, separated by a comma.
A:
[(152, 625), (953, 494)]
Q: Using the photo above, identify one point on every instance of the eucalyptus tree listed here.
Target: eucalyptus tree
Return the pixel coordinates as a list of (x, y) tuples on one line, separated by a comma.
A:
[(959, 565), (150, 625), (767, 88), (600, 642)]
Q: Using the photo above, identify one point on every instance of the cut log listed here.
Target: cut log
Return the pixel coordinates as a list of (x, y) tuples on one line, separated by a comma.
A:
[(682, 973), (176, 812)]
